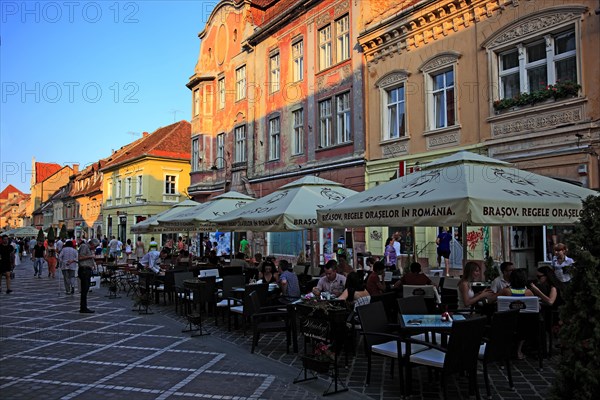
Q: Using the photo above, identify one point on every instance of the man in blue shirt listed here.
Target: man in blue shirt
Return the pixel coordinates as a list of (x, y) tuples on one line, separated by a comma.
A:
[(288, 282)]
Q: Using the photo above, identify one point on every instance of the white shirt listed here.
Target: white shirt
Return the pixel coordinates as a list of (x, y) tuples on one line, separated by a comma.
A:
[(151, 260), (558, 268), (397, 247), (498, 284)]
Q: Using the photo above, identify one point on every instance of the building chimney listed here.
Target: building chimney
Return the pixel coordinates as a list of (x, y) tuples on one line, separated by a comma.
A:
[(75, 168), (145, 134)]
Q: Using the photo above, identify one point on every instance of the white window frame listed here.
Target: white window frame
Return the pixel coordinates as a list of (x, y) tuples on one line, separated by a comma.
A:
[(393, 110), (274, 138), (220, 161), (298, 139), (128, 187), (240, 83), (298, 60), (139, 185), (196, 102), (325, 123), (343, 122), (170, 184), (325, 53), (241, 152), (275, 72), (118, 186), (195, 154), (221, 92), (342, 31), (446, 95), (549, 61)]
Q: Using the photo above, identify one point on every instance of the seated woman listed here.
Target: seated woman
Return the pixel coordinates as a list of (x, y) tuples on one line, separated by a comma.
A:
[(547, 288), (355, 292), (268, 272), (466, 295), (184, 258)]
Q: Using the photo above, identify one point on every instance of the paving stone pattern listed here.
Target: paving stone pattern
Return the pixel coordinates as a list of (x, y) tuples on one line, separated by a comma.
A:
[(48, 350)]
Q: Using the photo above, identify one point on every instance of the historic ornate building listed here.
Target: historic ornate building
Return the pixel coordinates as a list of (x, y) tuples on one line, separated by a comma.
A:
[(276, 95), (512, 79)]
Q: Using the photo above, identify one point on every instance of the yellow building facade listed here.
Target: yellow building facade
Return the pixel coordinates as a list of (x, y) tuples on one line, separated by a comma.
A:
[(514, 80)]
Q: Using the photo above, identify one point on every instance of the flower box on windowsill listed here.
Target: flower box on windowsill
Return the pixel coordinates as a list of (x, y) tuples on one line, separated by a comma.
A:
[(318, 365), (558, 91)]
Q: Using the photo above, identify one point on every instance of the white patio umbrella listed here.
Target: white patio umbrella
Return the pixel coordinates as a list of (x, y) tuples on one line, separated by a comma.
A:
[(150, 225), (201, 216), (290, 208), (23, 231), (462, 188)]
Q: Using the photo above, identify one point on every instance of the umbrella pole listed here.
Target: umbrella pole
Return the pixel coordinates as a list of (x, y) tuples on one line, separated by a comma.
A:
[(463, 228)]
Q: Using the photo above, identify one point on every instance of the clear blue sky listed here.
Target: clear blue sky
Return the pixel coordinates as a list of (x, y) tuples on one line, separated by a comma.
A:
[(77, 78)]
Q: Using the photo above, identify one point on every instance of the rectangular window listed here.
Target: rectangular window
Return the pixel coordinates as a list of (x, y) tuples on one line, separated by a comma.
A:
[(325, 59), (394, 116), (443, 98), (298, 61), (342, 31), (128, 187), (196, 102), (221, 92), (298, 140), (170, 184), (195, 156), (274, 138), (208, 99), (325, 130), (275, 72), (240, 83), (220, 162), (138, 185), (240, 144), (118, 185), (342, 125), (542, 61)]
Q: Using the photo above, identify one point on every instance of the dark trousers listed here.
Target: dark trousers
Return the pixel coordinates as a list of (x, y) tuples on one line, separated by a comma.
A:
[(85, 275)]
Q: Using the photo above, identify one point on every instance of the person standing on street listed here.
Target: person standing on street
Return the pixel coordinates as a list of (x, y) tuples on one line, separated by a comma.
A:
[(443, 250), (7, 261), (86, 266), (68, 263), (139, 248)]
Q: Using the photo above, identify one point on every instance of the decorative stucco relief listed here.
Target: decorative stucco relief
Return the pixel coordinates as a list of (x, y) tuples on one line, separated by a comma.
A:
[(436, 141), (394, 149), (538, 121)]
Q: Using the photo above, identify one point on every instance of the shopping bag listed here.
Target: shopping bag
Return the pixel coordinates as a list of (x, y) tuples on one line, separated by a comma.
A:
[(94, 282)]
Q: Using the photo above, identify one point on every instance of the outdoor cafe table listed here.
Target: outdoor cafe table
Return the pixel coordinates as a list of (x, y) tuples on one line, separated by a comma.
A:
[(412, 324)]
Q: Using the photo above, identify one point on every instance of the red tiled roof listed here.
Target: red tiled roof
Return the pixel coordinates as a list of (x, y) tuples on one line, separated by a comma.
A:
[(172, 141), (45, 170), (8, 190), (269, 9)]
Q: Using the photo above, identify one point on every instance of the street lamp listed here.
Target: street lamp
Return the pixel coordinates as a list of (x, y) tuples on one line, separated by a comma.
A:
[(221, 163)]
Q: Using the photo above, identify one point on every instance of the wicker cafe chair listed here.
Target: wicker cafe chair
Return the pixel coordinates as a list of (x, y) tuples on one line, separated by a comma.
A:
[(222, 302), (198, 293), (267, 319), (460, 356), (380, 339)]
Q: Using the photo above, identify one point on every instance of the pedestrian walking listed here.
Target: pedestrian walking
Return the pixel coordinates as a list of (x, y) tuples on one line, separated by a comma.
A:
[(7, 262)]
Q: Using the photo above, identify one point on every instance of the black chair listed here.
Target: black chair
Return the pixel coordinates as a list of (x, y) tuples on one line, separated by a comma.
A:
[(459, 357), (267, 319), (223, 302), (240, 308), (498, 342), (145, 292), (389, 300), (179, 290), (380, 339), (197, 294)]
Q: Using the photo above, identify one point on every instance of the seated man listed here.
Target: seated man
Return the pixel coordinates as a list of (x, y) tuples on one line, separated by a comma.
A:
[(503, 280), (331, 282), (288, 282), (151, 260), (239, 261), (375, 284), (414, 277)]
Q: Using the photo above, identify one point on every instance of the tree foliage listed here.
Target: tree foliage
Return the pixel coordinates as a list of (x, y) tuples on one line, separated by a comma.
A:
[(40, 235), (577, 373), (63, 232), (51, 236)]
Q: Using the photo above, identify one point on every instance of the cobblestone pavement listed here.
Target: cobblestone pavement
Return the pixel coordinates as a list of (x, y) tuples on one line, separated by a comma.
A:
[(49, 350)]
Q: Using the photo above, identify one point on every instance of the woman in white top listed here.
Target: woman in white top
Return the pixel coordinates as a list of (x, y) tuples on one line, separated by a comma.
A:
[(560, 263), (466, 295)]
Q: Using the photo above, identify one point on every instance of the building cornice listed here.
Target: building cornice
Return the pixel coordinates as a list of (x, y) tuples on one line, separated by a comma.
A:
[(423, 24)]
